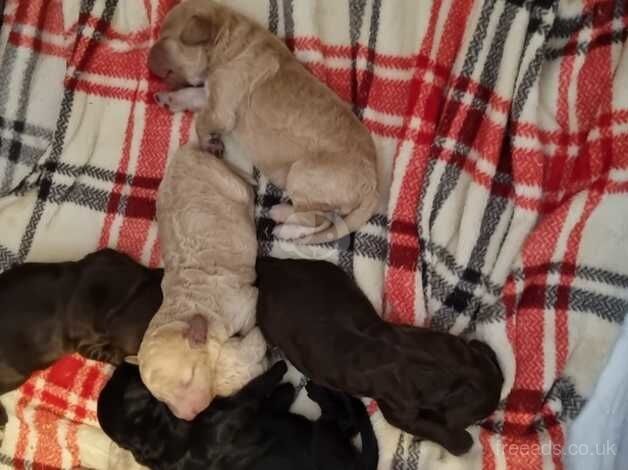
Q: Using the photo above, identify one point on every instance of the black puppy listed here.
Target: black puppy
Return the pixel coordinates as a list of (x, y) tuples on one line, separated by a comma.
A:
[(251, 430), (99, 307), (430, 384)]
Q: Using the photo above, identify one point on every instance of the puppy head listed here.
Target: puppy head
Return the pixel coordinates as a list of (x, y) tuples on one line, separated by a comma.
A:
[(492, 377), (484, 379), (176, 366), (114, 298), (121, 398), (135, 420), (128, 325), (180, 56)]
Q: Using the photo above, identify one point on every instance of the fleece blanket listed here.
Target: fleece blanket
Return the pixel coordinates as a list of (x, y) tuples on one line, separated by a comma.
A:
[(502, 133)]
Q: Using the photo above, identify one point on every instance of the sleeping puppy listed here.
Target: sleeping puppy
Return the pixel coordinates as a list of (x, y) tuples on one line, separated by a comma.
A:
[(251, 430), (202, 341), (298, 132), (99, 307), (430, 384)]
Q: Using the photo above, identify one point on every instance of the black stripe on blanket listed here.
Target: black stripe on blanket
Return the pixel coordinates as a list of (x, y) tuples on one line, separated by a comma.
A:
[(609, 15), (479, 293), (46, 177), (11, 149)]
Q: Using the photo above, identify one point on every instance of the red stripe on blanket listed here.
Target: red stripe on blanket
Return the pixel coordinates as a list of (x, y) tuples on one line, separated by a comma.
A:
[(151, 161), (528, 345), (48, 446), (599, 62), (123, 169), (43, 15), (425, 102), (19, 463), (33, 18), (400, 283), (108, 91), (36, 44), (488, 456)]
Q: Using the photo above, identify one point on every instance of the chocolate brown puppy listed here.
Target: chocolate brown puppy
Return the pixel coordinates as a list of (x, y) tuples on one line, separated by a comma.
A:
[(430, 384), (99, 307)]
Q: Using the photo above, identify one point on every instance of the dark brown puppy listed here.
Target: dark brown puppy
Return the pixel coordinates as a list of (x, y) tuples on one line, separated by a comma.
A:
[(99, 307), (430, 384)]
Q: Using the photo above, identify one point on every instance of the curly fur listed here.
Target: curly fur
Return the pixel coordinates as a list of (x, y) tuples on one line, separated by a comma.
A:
[(202, 342)]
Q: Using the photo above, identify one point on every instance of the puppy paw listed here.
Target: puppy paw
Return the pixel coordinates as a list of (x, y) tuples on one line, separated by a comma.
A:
[(280, 213), (100, 353), (459, 443), (214, 145), (278, 370), (292, 231), (163, 99)]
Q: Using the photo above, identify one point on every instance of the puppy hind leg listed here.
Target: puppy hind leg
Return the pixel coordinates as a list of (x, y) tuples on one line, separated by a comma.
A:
[(300, 224), (280, 213), (316, 200)]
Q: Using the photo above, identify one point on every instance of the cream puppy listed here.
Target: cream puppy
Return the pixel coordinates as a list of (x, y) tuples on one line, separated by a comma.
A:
[(297, 131), (202, 341)]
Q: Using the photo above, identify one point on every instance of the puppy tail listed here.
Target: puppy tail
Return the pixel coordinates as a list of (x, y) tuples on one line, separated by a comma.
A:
[(369, 457), (335, 230)]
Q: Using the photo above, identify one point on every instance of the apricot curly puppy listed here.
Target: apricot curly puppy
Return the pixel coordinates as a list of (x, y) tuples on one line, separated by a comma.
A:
[(202, 342), (297, 131)]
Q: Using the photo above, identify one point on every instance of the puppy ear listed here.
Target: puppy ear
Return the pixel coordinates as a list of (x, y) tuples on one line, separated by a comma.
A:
[(197, 31), (196, 332)]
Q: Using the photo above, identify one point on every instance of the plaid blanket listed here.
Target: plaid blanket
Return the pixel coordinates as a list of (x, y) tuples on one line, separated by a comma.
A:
[(501, 125)]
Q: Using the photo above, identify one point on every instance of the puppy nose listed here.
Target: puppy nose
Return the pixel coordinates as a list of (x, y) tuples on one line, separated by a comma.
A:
[(187, 415), (156, 61)]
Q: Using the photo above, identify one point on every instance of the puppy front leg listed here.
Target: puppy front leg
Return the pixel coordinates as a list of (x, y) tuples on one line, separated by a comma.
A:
[(210, 125), (186, 99), (225, 94), (263, 385)]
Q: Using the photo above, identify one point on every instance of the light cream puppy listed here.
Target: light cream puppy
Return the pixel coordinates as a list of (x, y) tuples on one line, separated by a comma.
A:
[(298, 132), (202, 342)]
